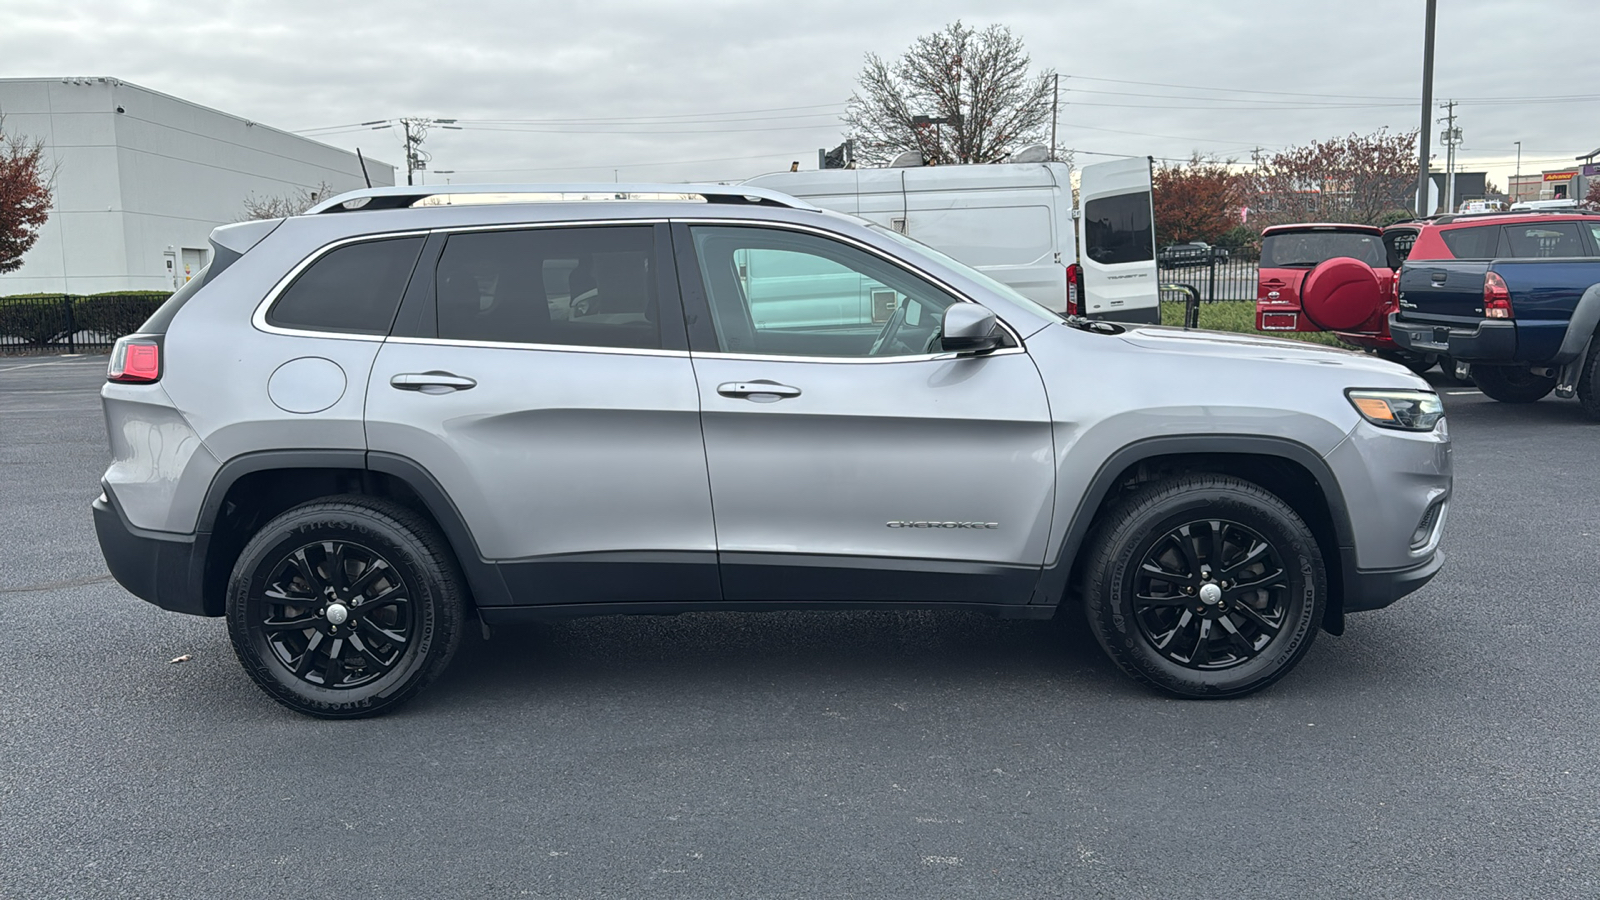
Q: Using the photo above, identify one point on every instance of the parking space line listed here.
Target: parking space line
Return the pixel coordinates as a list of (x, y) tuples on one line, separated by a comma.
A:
[(1459, 393)]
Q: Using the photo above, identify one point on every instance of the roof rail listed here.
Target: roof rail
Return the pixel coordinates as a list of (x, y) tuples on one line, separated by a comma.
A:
[(1447, 218), (407, 196)]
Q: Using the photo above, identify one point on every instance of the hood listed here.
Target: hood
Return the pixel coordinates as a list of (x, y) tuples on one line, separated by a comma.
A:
[(1237, 346)]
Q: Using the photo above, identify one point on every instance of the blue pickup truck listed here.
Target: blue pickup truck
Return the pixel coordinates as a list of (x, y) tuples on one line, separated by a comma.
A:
[(1516, 296)]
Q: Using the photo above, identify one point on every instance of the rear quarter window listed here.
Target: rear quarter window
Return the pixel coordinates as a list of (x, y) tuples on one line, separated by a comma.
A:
[(1478, 242), (354, 289)]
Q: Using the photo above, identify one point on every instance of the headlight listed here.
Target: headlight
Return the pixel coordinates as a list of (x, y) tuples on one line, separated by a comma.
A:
[(1406, 410)]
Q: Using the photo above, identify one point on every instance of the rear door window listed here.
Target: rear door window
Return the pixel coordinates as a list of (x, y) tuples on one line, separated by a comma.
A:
[(1307, 248), (582, 287), (354, 289), (1541, 241), (1117, 229), (1471, 243)]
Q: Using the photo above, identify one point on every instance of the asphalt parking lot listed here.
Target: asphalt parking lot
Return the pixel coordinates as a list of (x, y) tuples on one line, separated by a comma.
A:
[(1446, 747)]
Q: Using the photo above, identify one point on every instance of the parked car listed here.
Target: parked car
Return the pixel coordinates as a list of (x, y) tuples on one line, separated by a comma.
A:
[(1015, 222), (1515, 295), (1194, 253), (1335, 277), (363, 426)]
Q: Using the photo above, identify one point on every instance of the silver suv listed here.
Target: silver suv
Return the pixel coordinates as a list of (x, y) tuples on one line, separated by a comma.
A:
[(362, 426)]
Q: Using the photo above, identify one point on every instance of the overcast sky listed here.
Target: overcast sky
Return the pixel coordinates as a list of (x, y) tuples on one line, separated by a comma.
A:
[(717, 90)]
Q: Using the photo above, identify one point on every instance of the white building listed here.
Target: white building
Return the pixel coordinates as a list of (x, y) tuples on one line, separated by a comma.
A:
[(142, 178)]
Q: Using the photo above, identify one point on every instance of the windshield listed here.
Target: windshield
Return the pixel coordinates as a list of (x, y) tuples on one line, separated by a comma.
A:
[(1003, 290), (1307, 248)]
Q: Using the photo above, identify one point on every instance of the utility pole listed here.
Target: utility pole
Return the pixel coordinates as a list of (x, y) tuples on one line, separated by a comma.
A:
[(1427, 110), (415, 130), (1055, 107), (1450, 137), (1515, 191)]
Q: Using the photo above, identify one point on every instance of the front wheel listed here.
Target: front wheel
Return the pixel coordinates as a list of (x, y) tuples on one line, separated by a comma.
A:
[(1512, 384), (1205, 586), (345, 607)]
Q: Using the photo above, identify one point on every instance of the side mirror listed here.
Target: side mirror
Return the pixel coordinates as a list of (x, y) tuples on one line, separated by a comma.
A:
[(969, 328)]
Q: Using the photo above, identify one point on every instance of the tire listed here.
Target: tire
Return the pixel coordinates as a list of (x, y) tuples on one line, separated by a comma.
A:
[(375, 658), (1512, 384), (1589, 381), (1164, 644)]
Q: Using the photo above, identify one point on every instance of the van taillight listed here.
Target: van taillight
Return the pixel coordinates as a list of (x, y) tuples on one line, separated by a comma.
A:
[(1496, 297), (135, 360), (1074, 279)]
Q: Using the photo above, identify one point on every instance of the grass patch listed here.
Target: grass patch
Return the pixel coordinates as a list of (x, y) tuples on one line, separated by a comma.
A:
[(1239, 315)]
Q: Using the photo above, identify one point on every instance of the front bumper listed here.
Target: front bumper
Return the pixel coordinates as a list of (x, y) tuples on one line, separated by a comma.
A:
[(1490, 340), (164, 569), (1365, 590)]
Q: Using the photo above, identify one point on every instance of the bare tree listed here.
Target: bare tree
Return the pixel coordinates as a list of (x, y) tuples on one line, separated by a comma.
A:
[(1358, 179), (976, 81), (25, 196), (283, 206)]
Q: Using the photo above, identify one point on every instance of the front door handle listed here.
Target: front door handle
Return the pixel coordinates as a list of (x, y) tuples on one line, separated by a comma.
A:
[(759, 391), (432, 382)]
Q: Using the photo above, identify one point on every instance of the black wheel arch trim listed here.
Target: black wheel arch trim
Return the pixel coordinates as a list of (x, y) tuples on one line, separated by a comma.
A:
[(1581, 327), (1056, 579), (483, 577)]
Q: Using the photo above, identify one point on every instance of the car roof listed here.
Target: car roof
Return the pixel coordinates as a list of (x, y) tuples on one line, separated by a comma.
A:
[(1505, 218)]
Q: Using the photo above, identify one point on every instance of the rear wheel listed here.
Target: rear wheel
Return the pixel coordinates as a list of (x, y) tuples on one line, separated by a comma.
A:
[(1512, 384), (345, 607), (1589, 381), (1205, 586)]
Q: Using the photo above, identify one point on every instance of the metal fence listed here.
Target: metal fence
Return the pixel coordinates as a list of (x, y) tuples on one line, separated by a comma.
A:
[(68, 323), (1231, 279)]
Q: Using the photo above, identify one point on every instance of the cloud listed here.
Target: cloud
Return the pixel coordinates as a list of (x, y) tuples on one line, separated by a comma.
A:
[(754, 85)]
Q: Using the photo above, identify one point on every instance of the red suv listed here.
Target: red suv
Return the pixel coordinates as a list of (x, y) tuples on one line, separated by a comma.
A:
[(1338, 278)]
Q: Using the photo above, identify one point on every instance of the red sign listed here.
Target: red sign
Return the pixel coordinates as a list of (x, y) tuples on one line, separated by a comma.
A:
[(1559, 176)]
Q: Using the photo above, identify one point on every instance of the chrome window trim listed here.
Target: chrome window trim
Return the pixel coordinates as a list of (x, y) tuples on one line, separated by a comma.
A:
[(555, 348), (259, 317), (890, 258)]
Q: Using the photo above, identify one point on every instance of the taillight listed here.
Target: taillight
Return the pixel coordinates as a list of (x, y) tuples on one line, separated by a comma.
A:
[(1074, 278), (135, 360), (1496, 297)]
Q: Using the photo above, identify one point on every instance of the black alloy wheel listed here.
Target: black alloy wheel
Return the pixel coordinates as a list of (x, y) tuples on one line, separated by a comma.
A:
[(345, 607), (1204, 585), (336, 614), (1211, 594)]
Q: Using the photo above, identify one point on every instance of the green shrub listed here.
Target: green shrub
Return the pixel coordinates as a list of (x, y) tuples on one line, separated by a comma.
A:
[(116, 314), (34, 318)]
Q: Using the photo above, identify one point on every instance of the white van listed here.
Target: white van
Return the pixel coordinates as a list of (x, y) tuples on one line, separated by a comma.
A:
[(1016, 222)]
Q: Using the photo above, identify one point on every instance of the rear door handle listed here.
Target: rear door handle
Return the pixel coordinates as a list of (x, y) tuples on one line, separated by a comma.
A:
[(759, 391), (432, 382)]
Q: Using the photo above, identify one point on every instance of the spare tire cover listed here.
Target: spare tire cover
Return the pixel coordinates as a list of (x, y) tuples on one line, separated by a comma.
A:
[(1340, 294)]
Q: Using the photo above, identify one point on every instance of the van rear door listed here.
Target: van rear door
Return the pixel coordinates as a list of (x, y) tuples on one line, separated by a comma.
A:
[(1117, 241)]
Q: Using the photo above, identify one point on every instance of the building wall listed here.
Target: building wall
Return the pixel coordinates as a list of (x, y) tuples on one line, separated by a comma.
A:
[(134, 189)]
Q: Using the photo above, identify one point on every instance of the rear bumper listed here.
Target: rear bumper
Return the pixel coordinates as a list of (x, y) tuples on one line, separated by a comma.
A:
[(164, 569), (1490, 340), (1368, 589)]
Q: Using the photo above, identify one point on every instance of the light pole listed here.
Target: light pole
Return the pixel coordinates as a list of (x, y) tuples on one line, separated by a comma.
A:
[(1427, 111)]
